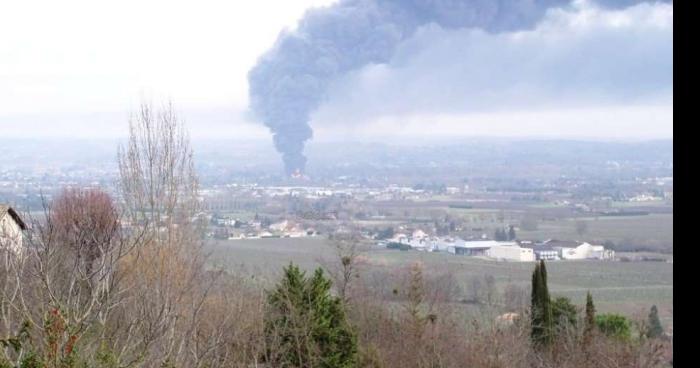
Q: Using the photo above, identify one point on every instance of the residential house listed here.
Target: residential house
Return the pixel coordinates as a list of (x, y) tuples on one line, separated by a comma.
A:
[(11, 227)]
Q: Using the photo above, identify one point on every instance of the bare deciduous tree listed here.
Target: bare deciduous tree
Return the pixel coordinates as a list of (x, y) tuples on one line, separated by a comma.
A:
[(348, 247), (157, 177), (159, 187), (66, 282), (86, 221)]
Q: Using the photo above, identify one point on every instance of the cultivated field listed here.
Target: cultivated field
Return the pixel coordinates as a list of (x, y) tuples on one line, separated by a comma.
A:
[(625, 287), (653, 232)]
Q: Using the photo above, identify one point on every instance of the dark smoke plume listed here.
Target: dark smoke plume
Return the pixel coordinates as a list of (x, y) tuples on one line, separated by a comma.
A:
[(290, 80)]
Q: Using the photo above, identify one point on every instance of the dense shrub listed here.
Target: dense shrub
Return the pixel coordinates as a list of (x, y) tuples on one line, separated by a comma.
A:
[(614, 325)]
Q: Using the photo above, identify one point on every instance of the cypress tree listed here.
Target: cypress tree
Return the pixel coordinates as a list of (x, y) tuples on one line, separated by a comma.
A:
[(654, 329), (534, 303), (547, 316), (541, 307), (590, 320)]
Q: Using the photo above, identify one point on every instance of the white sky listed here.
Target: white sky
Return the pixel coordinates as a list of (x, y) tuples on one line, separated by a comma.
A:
[(87, 55), (76, 68)]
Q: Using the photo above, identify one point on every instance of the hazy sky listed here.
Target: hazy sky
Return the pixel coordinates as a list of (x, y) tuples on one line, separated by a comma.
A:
[(76, 68)]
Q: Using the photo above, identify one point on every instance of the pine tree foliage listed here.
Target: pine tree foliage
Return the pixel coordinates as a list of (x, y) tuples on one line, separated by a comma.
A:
[(564, 313), (305, 325)]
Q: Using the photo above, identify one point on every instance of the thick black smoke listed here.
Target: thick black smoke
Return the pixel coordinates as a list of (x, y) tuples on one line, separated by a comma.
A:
[(290, 80)]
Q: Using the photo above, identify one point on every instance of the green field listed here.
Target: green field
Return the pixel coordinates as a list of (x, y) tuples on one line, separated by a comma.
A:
[(625, 287)]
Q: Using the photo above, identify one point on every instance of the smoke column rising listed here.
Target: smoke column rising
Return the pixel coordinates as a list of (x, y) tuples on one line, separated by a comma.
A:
[(290, 81)]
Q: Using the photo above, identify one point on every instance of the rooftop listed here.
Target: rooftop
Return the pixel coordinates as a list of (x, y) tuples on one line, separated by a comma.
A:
[(6, 209), (562, 243)]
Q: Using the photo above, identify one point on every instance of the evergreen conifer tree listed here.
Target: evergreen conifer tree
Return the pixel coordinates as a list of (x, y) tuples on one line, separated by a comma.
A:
[(548, 318), (589, 324), (305, 325), (654, 328), (564, 313), (541, 307)]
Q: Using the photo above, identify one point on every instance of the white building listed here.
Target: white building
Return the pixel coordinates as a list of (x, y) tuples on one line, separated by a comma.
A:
[(506, 251), (423, 244), (511, 252), (573, 250), (419, 234), (543, 252), (398, 239), (445, 244), (599, 252), (472, 248), (11, 227), (418, 241)]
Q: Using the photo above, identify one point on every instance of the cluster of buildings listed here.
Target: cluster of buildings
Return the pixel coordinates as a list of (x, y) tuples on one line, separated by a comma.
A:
[(515, 251), (227, 228), (568, 250), (217, 197)]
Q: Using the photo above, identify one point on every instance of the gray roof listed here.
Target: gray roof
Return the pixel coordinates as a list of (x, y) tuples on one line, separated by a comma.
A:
[(562, 243), (472, 248), (7, 210)]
